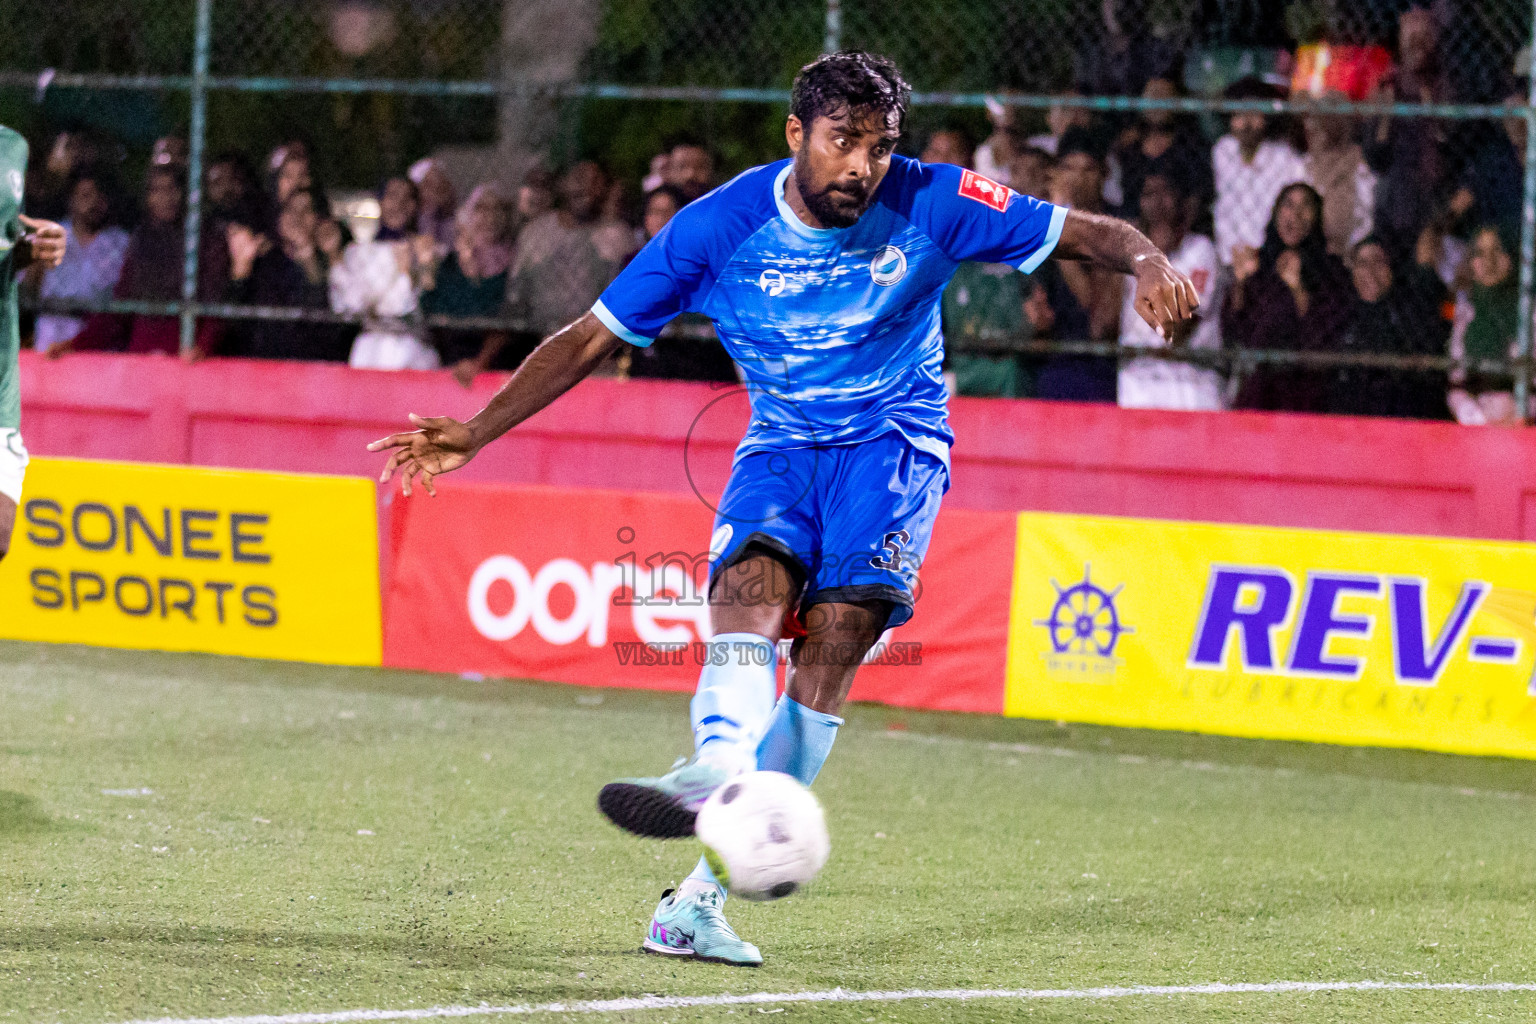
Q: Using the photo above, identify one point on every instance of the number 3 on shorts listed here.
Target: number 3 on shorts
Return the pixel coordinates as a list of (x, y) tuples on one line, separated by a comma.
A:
[(894, 555)]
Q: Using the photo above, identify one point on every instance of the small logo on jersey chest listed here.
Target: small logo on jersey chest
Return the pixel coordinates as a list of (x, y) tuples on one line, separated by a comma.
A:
[(985, 191), (888, 266), (772, 282)]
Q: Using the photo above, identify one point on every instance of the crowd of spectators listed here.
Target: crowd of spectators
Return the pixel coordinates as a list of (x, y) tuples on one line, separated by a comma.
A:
[(1385, 236), (506, 267), (1381, 236)]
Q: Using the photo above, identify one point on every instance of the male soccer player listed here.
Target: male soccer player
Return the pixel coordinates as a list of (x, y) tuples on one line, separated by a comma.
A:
[(23, 241), (823, 274)]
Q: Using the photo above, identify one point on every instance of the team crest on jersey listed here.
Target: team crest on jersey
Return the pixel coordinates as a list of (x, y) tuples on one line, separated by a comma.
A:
[(772, 282), (888, 266), (985, 191), (15, 179)]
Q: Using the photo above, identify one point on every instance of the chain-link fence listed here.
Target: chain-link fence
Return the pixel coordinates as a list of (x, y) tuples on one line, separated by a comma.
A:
[(1411, 124)]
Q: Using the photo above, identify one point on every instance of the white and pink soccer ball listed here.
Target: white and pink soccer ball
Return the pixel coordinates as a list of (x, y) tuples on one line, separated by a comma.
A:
[(764, 835)]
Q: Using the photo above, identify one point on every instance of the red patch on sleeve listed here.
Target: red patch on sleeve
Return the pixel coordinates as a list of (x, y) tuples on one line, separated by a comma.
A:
[(985, 191)]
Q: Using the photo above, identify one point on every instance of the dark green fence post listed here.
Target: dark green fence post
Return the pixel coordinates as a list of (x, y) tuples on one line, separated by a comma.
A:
[(833, 41), (1527, 244), (197, 131)]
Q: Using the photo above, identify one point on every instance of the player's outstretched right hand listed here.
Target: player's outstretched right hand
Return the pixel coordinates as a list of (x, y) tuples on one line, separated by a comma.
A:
[(440, 445)]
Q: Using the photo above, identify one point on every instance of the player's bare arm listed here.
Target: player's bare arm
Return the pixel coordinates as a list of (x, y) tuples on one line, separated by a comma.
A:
[(441, 444), (1165, 298)]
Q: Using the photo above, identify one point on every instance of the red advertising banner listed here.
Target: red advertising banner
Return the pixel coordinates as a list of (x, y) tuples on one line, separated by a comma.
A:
[(604, 588), (667, 436)]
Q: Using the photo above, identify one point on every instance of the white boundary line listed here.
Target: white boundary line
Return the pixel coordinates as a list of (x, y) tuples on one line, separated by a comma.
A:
[(838, 995)]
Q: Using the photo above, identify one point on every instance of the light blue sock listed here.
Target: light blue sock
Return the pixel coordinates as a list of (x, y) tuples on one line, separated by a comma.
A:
[(730, 710), (734, 700), (798, 740), (796, 743)]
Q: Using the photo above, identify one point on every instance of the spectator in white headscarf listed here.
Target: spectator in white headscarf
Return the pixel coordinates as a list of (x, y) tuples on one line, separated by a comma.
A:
[(381, 279)]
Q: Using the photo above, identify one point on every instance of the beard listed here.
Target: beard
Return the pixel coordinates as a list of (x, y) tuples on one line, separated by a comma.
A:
[(836, 206)]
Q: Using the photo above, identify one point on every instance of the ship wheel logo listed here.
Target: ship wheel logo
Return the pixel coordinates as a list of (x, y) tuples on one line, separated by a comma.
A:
[(1084, 619)]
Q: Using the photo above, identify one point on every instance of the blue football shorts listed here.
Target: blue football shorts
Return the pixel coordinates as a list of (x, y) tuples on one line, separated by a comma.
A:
[(853, 522)]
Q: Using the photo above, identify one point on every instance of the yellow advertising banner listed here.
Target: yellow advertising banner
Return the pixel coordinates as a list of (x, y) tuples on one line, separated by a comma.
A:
[(1281, 634), (177, 558)]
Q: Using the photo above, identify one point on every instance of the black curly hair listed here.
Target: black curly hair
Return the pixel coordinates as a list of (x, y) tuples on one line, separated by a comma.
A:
[(853, 81)]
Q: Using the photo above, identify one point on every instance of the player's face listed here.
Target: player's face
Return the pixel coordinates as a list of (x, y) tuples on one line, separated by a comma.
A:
[(840, 162)]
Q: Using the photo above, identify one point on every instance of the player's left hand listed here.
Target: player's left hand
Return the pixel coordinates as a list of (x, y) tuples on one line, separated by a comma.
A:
[(1165, 298), (47, 240), (442, 444)]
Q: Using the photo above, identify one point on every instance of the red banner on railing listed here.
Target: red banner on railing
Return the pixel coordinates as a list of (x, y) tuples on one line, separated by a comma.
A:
[(604, 588)]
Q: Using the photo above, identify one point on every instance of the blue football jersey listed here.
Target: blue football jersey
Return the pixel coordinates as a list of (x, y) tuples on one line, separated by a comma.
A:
[(836, 330)]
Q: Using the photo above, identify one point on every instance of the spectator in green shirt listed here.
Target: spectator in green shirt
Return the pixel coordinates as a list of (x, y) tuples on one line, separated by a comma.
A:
[(989, 304), (984, 309)]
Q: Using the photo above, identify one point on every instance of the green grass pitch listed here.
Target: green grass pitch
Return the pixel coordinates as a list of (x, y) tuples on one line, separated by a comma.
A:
[(186, 836)]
